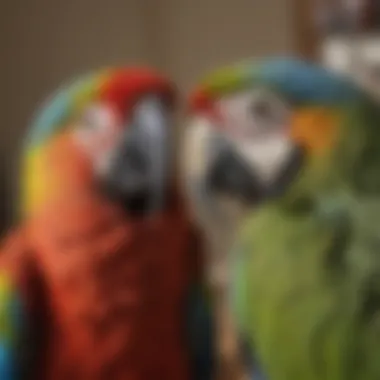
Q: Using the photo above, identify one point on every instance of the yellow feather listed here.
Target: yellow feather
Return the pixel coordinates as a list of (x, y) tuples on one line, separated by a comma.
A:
[(5, 288), (36, 183), (315, 128)]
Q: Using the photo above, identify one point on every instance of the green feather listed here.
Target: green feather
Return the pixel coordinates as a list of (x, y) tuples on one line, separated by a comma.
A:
[(305, 313), (307, 275)]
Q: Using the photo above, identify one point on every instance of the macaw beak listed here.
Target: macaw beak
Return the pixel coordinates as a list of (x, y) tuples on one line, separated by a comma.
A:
[(228, 174), (138, 172), (252, 179)]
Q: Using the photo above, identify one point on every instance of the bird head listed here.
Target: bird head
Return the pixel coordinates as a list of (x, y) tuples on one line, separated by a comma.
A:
[(270, 129), (107, 132)]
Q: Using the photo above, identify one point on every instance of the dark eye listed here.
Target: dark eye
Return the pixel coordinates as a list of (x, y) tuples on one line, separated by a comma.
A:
[(97, 118), (263, 109), (268, 111), (249, 113)]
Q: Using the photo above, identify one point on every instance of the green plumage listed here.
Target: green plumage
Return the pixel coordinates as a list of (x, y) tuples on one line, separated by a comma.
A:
[(306, 289)]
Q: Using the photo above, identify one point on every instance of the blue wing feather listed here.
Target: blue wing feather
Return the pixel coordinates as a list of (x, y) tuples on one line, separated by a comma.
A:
[(200, 333), (7, 363), (11, 325), (250, 360)]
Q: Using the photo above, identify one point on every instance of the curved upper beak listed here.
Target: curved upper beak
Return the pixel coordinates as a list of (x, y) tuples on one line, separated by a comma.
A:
[(140, 164)]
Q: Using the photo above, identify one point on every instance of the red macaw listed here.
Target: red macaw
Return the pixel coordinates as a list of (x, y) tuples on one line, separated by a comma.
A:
[(103, 278)]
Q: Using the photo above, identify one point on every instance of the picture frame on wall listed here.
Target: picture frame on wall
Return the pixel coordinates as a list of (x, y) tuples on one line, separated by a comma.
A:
[(317, 20), (350, 41), (343, 35)]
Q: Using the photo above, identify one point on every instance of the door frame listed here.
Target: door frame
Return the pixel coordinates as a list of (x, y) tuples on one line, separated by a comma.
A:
[(307, 38)]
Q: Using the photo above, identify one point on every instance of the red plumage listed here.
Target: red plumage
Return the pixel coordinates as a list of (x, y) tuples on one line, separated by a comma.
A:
[(202, 103), (108, 290), (123, 88)]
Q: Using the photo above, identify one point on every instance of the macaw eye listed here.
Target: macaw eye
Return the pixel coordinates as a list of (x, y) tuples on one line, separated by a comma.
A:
[(262, 109), (97, 128), (98, 118), (268, 112), (254, 113)]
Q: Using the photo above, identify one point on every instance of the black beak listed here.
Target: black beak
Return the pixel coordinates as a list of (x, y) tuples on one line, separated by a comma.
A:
[(229, 174), (137, 175)]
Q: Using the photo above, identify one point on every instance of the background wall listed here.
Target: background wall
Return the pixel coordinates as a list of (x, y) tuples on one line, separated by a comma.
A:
[(44, 42), (198, 35)]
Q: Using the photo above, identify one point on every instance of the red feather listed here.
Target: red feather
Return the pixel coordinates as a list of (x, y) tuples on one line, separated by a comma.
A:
[(203, 103), (126, 86), (200, 101)]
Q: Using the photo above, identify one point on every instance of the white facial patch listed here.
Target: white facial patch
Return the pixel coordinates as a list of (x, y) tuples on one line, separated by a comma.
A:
[(96, 133), (256, 123), (267, 155), (235, 112), (195, 158), (195, 149), (250, 113)]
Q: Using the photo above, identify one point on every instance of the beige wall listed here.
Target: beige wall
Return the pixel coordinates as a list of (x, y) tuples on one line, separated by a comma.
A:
[(44, 42), (199, 35)]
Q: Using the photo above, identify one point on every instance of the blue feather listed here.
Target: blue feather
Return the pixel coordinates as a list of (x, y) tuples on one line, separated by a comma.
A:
[(7, 363), (54, 111), (12, 314), (9, 358), (251, 361), (200, 333), (51, 115), (307, 83)]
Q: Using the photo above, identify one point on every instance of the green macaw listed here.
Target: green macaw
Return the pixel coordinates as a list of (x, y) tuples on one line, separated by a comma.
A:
[(299, 148)]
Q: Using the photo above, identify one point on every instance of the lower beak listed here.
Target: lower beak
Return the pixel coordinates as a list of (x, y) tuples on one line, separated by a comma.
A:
[(139, 170), (231, 175)]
